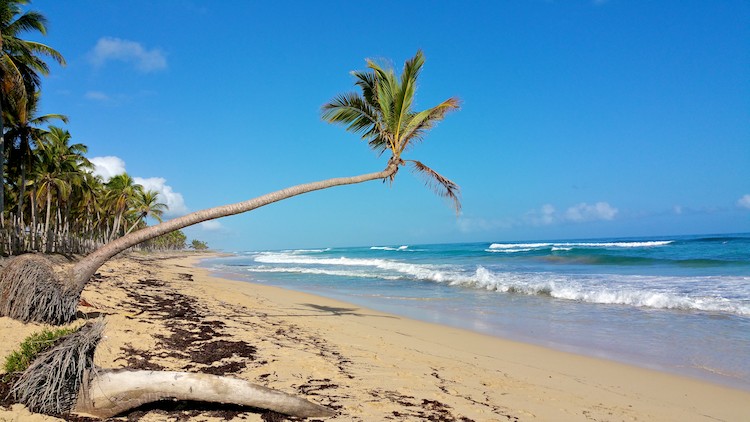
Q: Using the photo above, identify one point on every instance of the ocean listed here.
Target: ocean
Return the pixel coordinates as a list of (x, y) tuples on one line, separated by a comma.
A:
[(679, 304)]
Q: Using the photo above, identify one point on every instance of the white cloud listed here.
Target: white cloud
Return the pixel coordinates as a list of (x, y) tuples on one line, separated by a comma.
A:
[(107, 167), (167, 195), (580, 213), (585, 212), (744, 202), (110, 166), (97, 96), (545, 216), (211, 225), (108, 49)]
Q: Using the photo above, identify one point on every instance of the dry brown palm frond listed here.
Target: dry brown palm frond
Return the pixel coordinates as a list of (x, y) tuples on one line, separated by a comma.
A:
[(439, 184)]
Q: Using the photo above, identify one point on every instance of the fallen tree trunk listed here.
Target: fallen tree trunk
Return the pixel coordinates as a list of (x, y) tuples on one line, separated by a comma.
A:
[(111, 392), (64, 380)]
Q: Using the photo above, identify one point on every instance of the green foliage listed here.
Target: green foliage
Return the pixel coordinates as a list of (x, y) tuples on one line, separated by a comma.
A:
[(199, 245), (32, 346)]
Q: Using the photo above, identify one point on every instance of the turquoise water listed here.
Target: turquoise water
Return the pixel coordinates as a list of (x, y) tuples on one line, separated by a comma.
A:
[(679, 304)]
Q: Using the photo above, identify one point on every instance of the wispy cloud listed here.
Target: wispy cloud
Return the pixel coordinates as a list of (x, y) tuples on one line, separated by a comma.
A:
[(586, 212), (744, 202), (546, 215), (211, 225), (131, 52), (97, 96), (580, 213)]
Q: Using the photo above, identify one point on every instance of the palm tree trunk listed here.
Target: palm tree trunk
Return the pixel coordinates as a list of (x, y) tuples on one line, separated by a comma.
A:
[(45, 239), (85, 268), (2, 157)]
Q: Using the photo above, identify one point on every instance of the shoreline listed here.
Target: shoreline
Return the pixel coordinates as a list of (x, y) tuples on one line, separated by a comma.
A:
[(515, 329), (366, 364)]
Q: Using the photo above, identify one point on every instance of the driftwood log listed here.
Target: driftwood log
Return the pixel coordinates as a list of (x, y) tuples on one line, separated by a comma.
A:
[(64, 380)]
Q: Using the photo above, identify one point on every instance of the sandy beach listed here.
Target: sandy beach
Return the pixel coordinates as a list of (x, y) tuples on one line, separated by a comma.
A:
[(164, 313)]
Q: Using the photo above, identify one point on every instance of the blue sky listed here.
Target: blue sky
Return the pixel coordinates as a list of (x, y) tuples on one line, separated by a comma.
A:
[(579, 118)]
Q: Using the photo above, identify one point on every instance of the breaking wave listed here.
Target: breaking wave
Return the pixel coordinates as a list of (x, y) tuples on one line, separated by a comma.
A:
[(659, 292), (569, 245)]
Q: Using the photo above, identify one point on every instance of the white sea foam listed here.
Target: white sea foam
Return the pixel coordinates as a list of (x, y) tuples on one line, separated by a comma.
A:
[(508, 250), (663, 292), (646, 244), (650, 292), (389, 248), (306, 251), (519, 245), (321, 271), (436, 273)]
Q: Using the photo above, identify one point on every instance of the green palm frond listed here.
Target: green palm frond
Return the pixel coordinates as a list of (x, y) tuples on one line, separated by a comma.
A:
[(425, 120), (353, 111), (383, 114), (441, 185), (367, 82)]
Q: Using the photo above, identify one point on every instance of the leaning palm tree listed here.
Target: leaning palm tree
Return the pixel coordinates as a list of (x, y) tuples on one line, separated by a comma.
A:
[(30, 289), (21, 61)]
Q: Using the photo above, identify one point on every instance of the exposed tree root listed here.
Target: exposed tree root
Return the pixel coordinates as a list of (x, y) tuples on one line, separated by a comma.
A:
[(52, 382), (30, 290)]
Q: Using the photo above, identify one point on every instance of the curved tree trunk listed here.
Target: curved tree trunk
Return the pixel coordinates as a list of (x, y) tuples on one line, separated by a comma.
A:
[(111, 392), (29, 292), (87, 266)]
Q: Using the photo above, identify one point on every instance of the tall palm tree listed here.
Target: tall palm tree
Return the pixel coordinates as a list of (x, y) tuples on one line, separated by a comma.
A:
[(383, 113), (23, 126), (30, 290), (21, 61)]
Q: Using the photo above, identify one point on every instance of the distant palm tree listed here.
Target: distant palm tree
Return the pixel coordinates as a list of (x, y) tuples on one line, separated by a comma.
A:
[(32, 291), (122, 192), (384, 115), (21, 61), (146, 204)]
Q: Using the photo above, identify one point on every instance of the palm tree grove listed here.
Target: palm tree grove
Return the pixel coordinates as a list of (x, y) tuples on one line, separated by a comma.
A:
[(51, 201)]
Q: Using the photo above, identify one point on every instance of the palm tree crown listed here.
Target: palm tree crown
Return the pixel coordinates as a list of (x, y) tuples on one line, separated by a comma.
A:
[(383, 113)]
